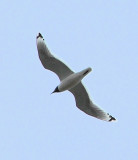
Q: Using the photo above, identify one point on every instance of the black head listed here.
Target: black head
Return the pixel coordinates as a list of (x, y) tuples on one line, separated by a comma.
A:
[(56, 90)]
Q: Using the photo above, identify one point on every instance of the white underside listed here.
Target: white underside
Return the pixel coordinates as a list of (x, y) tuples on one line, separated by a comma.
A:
[(70, 81)]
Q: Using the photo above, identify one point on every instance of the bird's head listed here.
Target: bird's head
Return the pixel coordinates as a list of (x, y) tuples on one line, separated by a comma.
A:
[(56, 90)]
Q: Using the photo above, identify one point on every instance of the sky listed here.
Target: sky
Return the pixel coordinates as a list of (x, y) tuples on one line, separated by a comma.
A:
[(99, 34)]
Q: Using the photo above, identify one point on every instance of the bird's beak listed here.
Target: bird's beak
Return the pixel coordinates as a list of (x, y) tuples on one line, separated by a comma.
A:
[(53, 92), (56, 90)]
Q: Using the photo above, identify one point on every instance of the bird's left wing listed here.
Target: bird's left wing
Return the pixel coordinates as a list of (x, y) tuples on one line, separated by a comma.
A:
[(50, 62), (84, 103)]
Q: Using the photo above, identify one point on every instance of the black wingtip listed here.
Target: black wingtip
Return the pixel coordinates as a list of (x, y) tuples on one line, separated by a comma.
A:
[(39, 35), (111, 118)]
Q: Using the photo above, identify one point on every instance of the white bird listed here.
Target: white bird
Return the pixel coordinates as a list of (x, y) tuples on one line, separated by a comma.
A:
[(70, 81)]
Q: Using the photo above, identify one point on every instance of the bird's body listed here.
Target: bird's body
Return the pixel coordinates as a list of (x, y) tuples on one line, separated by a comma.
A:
[(70, 81)]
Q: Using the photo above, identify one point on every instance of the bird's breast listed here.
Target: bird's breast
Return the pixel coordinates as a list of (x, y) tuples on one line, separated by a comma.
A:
[(69, 82)]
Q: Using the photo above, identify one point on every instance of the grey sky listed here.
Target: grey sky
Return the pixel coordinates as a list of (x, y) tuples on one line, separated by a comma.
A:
[(99, 34)]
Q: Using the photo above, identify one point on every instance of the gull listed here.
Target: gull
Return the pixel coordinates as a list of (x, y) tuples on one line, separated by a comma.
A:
[(70, 81)]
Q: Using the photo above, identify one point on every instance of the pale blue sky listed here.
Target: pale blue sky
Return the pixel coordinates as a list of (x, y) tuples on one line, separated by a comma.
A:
[(101, 34)]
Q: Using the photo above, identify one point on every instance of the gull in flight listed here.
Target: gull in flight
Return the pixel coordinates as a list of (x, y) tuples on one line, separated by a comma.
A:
[(70, 81)]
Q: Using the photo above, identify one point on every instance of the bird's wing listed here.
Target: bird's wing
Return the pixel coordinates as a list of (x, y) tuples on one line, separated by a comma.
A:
[(50, 62), (84, 103)]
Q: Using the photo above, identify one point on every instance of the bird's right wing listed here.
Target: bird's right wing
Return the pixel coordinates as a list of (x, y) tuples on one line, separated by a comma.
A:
[(84, 103), (50, 62)]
